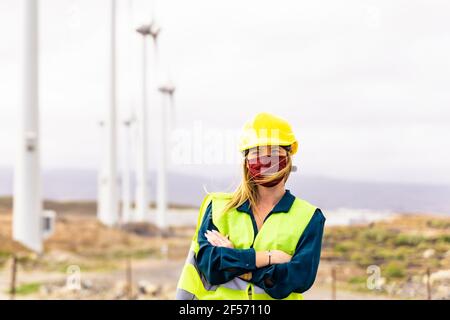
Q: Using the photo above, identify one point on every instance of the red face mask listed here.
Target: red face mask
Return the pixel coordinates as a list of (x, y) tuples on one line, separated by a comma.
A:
[(263, 166)]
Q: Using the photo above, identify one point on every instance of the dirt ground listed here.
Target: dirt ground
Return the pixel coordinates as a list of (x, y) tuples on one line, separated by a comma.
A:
[(158, 274), (84, 259)]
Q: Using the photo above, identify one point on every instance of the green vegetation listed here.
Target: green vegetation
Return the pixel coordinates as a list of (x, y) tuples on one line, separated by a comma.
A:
[(397, 247), (4, 257), (376, 235), (438, 224), (357, 280), (408, 240), (394, 270), (28, 288), (444, 238)]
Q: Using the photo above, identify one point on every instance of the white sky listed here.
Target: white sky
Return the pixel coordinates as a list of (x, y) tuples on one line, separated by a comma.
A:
[(365, 84)]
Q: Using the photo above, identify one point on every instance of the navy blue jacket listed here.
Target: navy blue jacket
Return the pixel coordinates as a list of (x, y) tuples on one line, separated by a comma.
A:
[(220, 264)]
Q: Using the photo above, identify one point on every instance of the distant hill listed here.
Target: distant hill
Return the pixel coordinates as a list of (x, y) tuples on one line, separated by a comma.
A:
[(324, 192)]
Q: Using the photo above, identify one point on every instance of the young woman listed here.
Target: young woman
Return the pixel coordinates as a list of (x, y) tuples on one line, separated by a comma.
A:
[(260, 242)]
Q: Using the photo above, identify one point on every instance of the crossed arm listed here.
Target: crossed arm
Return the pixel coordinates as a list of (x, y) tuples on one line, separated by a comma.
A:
[(221, 262), (262, 259)]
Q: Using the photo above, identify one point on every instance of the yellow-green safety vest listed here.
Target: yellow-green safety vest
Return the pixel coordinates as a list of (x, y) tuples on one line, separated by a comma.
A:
[(279, 232)]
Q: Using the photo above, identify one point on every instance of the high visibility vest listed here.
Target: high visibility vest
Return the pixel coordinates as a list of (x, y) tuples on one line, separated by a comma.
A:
[(280, 231)]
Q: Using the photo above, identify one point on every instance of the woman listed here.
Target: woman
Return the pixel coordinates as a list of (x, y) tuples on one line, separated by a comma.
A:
[(260, 242)]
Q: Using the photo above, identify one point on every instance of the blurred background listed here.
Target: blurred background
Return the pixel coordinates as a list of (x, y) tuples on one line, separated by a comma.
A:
[(117, 116)]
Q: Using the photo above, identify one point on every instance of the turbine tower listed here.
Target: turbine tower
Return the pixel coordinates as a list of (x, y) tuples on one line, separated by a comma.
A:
[(108, 206), (127, 211), (167, 91), (27, 207), (129, 125), (161, 174), (141, 211)]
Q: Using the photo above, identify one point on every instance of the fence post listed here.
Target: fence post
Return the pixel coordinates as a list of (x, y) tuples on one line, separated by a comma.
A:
[(12, 289), (129, 278), (333, 283), (428, 284)]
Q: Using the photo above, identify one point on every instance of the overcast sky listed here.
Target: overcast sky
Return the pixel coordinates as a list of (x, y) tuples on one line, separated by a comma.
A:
[(365, 84)]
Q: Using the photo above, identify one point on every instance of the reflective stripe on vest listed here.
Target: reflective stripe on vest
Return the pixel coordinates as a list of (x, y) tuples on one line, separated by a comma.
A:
[(280, 231), (193, 281)]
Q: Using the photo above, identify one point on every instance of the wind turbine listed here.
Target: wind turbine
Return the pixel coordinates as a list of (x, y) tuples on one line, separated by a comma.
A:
[(127, 213), (129, 126), (141, 211), (161, 175), (108, 207), (167, 91), (27, 212)]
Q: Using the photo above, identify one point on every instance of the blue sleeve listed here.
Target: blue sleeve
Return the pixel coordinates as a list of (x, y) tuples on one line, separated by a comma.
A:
[(298, 275), (220, 264)]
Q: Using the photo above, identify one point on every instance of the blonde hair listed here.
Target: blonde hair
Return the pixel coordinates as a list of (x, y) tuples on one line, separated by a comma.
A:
[(247, 189)]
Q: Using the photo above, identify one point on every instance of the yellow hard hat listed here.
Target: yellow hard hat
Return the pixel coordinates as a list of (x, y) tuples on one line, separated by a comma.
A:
[(266, 129)]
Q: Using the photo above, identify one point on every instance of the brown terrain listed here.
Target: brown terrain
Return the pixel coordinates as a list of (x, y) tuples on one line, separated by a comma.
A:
[(85, 260)]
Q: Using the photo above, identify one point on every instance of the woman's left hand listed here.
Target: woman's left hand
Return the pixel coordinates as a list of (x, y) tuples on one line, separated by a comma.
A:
[(218, 240)]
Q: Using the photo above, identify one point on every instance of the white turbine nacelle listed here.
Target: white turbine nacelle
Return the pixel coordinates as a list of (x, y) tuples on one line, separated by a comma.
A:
[(151, 29), (168, 88), (144, 30)]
